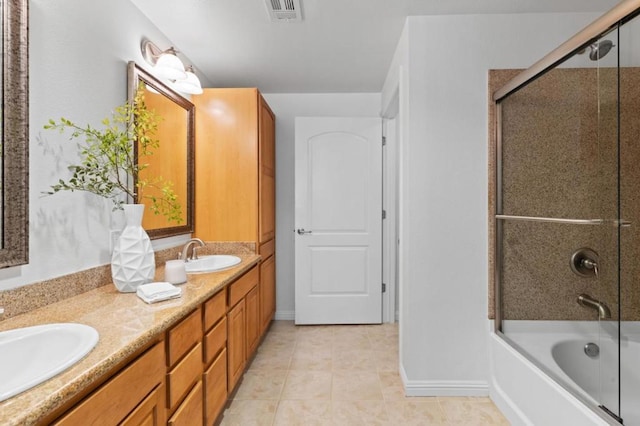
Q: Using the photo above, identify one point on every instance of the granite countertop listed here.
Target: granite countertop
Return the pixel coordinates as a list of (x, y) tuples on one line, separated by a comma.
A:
[(125, 325)]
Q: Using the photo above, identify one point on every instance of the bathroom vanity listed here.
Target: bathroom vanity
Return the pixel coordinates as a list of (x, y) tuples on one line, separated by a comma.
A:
[(172, 362)]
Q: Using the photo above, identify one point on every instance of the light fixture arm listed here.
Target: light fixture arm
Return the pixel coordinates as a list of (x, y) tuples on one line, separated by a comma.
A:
[(151, 52)]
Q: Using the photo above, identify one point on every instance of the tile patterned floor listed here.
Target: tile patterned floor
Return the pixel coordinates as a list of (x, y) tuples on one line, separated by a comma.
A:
[(340, 375)]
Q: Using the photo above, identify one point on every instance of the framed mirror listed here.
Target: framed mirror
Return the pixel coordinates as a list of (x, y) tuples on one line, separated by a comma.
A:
[(15, 134), (173, 160)]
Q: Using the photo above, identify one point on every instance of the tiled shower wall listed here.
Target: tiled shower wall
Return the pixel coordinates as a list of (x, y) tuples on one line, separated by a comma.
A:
[(560, 160)]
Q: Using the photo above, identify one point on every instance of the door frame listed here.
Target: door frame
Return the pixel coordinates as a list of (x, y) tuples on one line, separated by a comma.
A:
[(391, 204), (389, 236)]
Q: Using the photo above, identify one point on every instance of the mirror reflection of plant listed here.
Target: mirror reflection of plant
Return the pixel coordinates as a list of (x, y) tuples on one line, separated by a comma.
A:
[(109, 167)]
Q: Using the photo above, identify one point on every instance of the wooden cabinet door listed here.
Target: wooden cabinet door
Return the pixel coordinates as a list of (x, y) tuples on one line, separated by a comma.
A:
[(150, 412), (252, 305), (227, 165), (267, 291), (266, 146), (236, 341)]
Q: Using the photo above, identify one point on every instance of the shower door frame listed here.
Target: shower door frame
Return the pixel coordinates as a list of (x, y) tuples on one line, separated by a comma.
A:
[(623, 12), (616, 17)]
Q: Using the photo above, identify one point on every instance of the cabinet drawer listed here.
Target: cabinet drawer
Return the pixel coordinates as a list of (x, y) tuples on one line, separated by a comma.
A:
[(214, 309), (182, 337), (215, 387), (215, 340), (180, 379), (242, 286), (190, 411), (114, 400)]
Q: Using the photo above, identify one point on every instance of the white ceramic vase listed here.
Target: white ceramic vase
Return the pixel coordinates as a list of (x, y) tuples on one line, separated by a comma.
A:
[(132, 262)]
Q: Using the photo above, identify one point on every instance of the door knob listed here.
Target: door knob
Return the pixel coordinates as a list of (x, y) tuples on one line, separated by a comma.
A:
[(301, 231)]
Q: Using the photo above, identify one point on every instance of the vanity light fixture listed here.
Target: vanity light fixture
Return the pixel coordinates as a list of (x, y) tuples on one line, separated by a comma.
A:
[(191, 84), (167, 65)]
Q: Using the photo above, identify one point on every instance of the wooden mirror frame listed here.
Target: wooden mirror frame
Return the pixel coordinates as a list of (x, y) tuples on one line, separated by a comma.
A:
[(136, 75), (15, 134)]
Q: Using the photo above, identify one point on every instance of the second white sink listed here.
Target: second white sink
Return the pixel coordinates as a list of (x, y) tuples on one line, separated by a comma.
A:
[(31, 355), (211, 263)]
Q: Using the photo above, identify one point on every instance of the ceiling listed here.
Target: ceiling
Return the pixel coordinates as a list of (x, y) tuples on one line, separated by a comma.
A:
[(339, 46)]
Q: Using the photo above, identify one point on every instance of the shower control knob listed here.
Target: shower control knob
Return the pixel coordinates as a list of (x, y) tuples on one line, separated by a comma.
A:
[(584, 262)]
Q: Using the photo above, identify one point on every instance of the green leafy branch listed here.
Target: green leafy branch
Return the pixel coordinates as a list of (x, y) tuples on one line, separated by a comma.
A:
[(109, 167)]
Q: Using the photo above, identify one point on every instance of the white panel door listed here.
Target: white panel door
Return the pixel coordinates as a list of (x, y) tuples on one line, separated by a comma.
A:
[(338, 220)]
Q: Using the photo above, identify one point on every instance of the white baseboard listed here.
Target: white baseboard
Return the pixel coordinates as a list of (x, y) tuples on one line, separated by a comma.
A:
[(443, 387), (285, 315), (291, 315)]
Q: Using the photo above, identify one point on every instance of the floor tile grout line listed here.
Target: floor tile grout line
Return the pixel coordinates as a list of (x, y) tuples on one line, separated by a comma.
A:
[(284, 383)]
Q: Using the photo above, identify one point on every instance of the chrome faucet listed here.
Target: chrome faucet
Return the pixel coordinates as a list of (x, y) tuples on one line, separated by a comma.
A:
[(589, 302), (187, 246)]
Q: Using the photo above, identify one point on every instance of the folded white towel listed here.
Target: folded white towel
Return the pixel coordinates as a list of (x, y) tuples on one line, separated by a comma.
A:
[(157, 292)]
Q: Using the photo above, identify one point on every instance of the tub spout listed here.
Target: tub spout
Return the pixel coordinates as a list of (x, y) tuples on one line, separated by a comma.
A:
[(589, 302)]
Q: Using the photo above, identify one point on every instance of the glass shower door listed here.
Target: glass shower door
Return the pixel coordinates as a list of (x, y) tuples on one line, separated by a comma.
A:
[(629, 231), (557, 216), (604, 53)]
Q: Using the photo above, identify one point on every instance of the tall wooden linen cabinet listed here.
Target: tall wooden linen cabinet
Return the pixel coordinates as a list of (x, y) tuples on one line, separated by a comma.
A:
[(235, 182)]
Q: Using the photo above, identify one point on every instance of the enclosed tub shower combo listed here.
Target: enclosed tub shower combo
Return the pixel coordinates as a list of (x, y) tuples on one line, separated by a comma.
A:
[(565, 221)]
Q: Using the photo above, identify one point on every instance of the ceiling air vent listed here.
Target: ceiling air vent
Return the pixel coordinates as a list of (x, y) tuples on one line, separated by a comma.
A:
[(284, 10)]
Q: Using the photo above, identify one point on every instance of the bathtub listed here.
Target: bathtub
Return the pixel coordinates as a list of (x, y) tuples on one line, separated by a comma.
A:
[(532, 395)]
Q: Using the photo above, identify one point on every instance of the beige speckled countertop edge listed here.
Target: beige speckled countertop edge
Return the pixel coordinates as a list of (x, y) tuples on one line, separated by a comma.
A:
[(125, 323)]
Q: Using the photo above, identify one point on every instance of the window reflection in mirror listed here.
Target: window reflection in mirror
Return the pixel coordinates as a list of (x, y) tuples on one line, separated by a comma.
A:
[(173, 159)]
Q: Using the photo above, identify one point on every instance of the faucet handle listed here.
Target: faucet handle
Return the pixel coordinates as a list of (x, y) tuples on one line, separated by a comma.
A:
[(584, 262)]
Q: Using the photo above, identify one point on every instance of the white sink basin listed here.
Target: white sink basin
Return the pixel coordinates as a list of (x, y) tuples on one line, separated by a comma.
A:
[(212, 263), (31, 355)]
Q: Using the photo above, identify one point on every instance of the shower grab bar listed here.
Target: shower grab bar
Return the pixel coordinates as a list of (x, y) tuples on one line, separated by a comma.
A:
[(550, 219)]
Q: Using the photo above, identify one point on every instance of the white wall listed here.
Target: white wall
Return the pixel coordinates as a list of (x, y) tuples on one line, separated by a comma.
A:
[(286, 107), (441, 68), (78, 56)]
